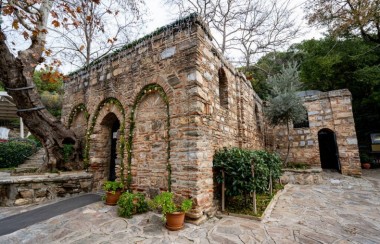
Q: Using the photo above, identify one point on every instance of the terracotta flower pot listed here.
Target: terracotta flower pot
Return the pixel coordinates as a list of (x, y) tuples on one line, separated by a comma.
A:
[(366, 165), (175, 221), (111, 199)]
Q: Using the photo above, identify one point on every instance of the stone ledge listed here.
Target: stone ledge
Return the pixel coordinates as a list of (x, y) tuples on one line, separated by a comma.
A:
[(47, 177), (302, 176)]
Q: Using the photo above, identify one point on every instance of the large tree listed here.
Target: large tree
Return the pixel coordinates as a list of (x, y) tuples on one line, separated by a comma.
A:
[(100, 28), (249, 27), (31, 19), (347, 17)]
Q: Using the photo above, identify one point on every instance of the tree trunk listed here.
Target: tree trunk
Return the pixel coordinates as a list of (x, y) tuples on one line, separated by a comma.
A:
[(17, 76), (288, 151)]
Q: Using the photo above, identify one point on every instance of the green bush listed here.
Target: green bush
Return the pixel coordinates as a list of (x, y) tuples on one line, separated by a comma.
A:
[(14, 153), (130, 203), (36, 140), (236, 163)]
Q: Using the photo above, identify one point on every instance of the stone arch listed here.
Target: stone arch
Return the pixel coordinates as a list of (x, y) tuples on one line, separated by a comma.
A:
[(223, 88), (78, 122), (328, 149), (148, 142), (100, 138), (157, 80)]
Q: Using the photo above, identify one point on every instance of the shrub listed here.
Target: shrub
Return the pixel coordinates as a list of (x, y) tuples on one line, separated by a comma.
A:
[(237, 163), (130, 203), (36, 140), (14, 153)]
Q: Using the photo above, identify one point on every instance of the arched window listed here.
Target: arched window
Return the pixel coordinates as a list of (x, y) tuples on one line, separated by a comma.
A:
[(223, 88)]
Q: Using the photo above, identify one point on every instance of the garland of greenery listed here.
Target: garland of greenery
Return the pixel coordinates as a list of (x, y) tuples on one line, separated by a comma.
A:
[(147, 90), (90, 130), (77, 109), (177, 24)]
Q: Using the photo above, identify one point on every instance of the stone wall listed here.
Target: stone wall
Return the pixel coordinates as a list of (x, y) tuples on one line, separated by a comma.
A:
[(207, 104), (329, 111), (23, 190)]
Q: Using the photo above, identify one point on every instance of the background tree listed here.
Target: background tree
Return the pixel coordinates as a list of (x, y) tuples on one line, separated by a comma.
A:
[(347, 17), (99, 28), (265, 26), (268, 65), (247, 26), (30, 20), (284, 105)]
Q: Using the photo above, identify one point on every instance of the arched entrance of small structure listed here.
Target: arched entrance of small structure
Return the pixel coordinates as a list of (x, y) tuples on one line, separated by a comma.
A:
[(328, 149), (110, 126)]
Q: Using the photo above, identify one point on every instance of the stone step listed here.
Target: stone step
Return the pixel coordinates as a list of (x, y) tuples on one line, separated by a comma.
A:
[(22, 171), (34, 161)]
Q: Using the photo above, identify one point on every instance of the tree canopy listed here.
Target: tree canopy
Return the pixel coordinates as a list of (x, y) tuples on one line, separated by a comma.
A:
[(347, 17)]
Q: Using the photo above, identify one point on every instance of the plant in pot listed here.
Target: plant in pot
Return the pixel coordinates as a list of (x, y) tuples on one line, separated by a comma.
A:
[(365, 161), (173, 214), (113, 191)]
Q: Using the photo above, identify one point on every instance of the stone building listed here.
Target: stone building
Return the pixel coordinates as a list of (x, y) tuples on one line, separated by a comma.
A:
[(328, 138), (153, 113)]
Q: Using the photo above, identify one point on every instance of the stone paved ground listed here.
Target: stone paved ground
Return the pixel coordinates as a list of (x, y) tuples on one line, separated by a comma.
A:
[(341, 210)]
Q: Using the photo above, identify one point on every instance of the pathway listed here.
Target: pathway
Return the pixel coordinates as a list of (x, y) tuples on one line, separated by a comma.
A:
[(341, 210)]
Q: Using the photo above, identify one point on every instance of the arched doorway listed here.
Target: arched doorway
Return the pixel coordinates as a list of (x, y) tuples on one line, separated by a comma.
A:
[(328, 149), (110, 126), (113, 158)]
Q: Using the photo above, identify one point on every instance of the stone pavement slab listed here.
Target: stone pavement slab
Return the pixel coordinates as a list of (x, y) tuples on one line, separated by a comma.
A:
[(340, 210)]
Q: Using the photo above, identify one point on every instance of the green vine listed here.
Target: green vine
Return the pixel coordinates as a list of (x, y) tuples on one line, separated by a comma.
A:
[(74, 112), (148, 89), (90, 130), (178, 24)]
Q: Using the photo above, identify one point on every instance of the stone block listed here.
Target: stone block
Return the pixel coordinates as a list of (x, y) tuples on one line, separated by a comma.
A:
[(27, 193), (22, 201)]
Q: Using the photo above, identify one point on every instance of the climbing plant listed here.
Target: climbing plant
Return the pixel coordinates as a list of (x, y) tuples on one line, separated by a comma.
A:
[(148, 89), (90, 130), (74, 112)]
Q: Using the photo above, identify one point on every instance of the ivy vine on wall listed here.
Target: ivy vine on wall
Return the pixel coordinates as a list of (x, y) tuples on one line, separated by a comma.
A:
[(74, 112), (90, 130), (148, 89)]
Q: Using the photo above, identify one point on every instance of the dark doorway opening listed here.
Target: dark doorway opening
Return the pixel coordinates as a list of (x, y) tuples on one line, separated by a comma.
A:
[(114, 138), (328, 150)]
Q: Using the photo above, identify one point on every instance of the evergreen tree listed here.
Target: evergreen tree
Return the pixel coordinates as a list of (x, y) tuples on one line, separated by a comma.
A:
[(284, 105)]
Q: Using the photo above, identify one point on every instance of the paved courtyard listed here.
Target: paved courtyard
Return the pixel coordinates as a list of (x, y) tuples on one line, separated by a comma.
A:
[(341, 210)]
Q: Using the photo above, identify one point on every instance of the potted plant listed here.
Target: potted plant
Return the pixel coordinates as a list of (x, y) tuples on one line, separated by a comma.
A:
[(113, 191), (173, 214), (365, 161)]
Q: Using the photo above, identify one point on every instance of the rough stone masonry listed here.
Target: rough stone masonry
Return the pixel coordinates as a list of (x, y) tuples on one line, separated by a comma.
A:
[(176, 100)]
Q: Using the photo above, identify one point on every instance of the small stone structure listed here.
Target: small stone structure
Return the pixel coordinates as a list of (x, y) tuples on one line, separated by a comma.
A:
[(331, 122), (22, 190), (154, 112)]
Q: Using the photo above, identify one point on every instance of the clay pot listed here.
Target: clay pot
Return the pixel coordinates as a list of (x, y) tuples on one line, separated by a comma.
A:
[(175, 221), (111, 199), (366, 165)]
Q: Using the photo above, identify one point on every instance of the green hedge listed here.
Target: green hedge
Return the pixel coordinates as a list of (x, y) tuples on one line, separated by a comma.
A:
[(13, 153), (236, 163)]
